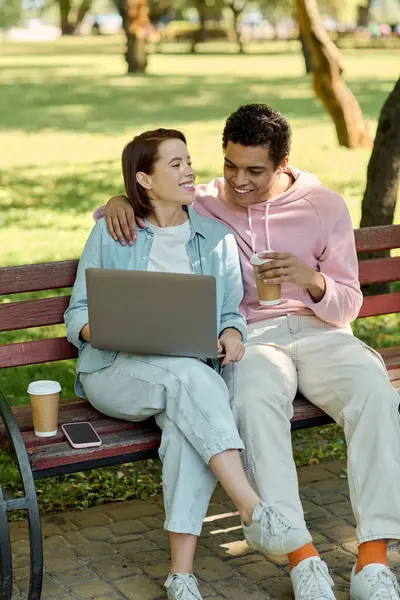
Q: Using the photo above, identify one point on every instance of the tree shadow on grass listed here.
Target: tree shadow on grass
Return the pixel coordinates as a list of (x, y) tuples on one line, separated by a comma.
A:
[(91, 104), (77, 192), (115, 45), (33, 192), (62, 48)]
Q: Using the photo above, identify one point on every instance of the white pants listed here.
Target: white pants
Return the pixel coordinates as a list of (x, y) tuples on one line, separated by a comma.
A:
[(348, 380)]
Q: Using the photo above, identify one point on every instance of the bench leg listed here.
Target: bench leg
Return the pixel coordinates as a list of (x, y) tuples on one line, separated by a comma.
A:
[(5, 552), (29, 503)]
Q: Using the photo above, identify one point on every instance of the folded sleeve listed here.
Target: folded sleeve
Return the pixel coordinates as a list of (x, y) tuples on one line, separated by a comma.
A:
[(99, 213), (76, 315), (230, 313)]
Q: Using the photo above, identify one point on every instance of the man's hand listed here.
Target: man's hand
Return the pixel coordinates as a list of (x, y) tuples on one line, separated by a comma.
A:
[(230, 346), (120, 219), (85, 333), (287, 268)]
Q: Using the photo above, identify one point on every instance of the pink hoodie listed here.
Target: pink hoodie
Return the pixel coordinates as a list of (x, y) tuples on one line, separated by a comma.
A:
[(308, 220)]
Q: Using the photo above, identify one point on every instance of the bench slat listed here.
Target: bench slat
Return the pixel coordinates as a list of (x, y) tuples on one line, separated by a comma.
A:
[(129, 442), (69, 412), (379, 270), (391, 356), (33, 313), (122, 439), (371, 239), (50, 311), (104, 427), (125, 442), (35, 352), (384, 304), (303, 409), (32, 278), (49, 276), (394, 375)]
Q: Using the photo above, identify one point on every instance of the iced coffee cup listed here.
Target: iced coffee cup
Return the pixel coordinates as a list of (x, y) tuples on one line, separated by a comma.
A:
[(45, 399), (269, 294)]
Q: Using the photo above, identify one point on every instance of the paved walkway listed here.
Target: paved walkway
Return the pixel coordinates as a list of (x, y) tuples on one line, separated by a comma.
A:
[(120, 551)]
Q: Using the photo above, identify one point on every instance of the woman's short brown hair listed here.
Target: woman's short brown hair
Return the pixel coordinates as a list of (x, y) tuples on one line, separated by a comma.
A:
[(141, 154)]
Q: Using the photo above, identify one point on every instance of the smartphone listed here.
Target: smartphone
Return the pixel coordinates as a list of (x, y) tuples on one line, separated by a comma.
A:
[(81, 435)]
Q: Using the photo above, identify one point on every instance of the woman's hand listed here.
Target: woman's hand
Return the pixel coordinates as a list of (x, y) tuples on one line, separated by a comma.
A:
[(231, 346), (120, 219), (85, 333), (287, 268)]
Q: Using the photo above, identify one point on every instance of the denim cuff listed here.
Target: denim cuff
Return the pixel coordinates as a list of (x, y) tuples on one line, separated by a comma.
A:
[(183, 527), (233, 443)]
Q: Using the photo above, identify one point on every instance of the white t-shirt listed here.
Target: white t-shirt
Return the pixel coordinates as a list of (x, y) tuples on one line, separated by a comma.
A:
[(168, 252)]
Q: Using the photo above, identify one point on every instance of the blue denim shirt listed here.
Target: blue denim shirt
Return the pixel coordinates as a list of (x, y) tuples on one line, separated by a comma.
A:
[(212, 250)]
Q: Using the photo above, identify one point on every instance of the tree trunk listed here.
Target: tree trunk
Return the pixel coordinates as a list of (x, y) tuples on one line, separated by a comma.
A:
[(383, 170), (200, 34), (363, 15), (328, 82), (135, 18), (236, 14), (379, 202), (82, 12), (306, 54), (237, 33), (156, 13), (67, 28)]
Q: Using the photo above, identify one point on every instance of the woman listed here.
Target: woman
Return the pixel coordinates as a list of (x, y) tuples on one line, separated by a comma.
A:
[(200, 443)]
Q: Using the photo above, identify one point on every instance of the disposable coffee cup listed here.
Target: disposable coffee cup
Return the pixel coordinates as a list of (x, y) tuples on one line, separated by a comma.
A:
[(269, 294), (45, 399)]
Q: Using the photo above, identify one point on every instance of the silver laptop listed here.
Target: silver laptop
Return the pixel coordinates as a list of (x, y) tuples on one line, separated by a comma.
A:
[(144, 312)]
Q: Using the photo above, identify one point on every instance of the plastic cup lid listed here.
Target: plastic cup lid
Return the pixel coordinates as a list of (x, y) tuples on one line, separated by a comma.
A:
[(44, 386), (256, 260)]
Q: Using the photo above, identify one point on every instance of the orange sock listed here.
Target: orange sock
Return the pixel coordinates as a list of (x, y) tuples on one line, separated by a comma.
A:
[(372, 552), (300, 554)]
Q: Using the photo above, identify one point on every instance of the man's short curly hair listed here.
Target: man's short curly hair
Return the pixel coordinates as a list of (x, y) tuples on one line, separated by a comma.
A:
[(259, 125)]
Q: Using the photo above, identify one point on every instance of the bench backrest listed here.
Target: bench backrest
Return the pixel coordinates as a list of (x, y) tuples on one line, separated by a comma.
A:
[(49, 311)]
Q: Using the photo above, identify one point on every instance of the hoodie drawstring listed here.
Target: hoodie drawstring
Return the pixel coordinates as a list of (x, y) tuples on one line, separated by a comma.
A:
[(253, 245)]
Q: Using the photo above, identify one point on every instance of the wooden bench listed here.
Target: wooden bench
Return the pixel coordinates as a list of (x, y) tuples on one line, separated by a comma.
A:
[(122, 441)]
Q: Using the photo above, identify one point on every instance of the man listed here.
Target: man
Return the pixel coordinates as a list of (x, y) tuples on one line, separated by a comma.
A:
[(304, 343)]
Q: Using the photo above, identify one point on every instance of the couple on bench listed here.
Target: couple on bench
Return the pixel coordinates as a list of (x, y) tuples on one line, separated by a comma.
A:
[(234, 427)]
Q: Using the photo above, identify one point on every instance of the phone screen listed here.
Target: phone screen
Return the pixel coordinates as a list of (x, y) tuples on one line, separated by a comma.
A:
[(81, 433)]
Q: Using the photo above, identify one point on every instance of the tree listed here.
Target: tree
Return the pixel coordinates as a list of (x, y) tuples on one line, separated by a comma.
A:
[(10, 13), (308, 63), (69, 23), (383, 170), (276, 10), (199, 35), (364, 13), (237, 7), (159, 9), (328, 82), (135, 20), (379, 202)]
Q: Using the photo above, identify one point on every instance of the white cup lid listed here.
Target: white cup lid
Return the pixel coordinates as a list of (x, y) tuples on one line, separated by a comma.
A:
[(256, 260), (44, 386)]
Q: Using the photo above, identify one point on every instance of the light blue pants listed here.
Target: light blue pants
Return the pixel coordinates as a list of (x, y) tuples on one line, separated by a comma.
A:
[(191, 404)]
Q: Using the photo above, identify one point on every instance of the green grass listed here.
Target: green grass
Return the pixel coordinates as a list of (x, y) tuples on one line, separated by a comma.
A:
[(67, 109)]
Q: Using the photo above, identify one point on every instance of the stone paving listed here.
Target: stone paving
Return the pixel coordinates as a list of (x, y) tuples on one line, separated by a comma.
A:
[(120, 551)]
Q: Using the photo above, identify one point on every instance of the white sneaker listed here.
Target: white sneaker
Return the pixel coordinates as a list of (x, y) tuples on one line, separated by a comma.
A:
[(182, 586), (374, 582), (271, 533), (311, 580)]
